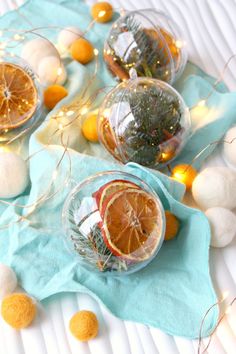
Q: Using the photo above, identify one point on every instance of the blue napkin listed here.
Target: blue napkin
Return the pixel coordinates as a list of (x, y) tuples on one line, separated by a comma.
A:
[(174, 291)]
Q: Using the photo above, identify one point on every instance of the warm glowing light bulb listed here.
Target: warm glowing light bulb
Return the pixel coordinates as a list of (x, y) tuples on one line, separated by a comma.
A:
[(225, 295), (84, 110), (96, 51), (201, 103), (18, 37), (59, 71), (180, 43), (70, 113), (185, 174), (101, 13)]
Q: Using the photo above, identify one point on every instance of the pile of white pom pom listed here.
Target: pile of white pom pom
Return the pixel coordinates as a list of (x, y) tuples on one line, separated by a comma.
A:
[(214, 190), (44, 57)]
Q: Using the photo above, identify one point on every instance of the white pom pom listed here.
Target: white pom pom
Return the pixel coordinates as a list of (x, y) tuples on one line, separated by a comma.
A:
[(51, 71), (229, 150), (215, 186), (8, 281), (33, 51), (14, 176), (223, 226), (68, 35)]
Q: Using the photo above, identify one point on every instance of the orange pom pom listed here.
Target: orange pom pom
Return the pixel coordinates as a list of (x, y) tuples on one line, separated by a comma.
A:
[(102, 12), (185, 174), (84, 325), (53, 94), (172, 226), (82, 51), (89, 128), (18, 310)]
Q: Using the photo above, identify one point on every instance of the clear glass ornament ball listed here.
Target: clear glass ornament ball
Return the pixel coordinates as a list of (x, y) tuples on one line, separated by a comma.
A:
[(114, 223), (20, 97), (148, 41), (145, 121)]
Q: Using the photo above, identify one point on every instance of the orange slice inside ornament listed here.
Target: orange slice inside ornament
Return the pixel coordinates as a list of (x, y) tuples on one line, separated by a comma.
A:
[(18, 96), (110, 188), (132, 224)]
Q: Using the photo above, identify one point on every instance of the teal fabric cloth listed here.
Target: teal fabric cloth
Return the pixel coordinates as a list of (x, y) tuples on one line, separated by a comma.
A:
[(174, 291)]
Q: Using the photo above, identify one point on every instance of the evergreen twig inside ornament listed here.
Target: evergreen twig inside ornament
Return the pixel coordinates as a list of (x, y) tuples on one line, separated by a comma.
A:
[(145, 121), (148, 41)]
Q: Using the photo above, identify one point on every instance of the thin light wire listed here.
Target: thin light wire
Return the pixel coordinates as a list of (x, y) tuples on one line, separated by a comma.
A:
[(216, 327)]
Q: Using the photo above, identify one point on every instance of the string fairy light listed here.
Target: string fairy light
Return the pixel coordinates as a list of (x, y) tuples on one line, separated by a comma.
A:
[(227, 311)]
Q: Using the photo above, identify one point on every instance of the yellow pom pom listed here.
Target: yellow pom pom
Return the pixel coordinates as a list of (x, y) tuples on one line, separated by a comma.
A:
[(84, 325), (18, 310), (102, 12), (184, 173), (53, 94), (89, 128), (82, 51), (172, 226)]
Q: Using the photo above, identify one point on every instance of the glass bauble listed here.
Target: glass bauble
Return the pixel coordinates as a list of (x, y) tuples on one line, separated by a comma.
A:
[(148, 41), (114, 223), (20, 97), (145, 121)]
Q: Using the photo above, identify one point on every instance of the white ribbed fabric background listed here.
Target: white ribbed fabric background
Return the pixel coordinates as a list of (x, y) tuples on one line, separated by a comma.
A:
[(210, 29)]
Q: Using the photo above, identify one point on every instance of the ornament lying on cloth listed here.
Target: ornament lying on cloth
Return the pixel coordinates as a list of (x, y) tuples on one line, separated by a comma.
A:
[(8, 280), (148, 41), (114, 223), (20, 96), (14, 177), (223, 226), (215, 187), (145, 121)]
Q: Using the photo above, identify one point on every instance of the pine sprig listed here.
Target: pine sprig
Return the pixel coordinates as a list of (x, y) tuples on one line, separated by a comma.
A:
[(157, 119), (92, 247), (149, 55)]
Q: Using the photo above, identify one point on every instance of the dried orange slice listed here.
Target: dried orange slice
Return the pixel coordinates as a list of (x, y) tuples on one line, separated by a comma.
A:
[(18, 96), (110, 188), (132, 224), (107, 138)]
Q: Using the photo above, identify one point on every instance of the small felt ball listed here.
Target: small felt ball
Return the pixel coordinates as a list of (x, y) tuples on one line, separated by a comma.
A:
[(18, 310), (215, 186), (172, 226), (223, 226), (8, 280), (68, 35), (52, 71), (82, 51), (229, 148), (54, 94), (14, 177), (89, 128), (33, 51), (84, 325), (102, 12), (185, 174)]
